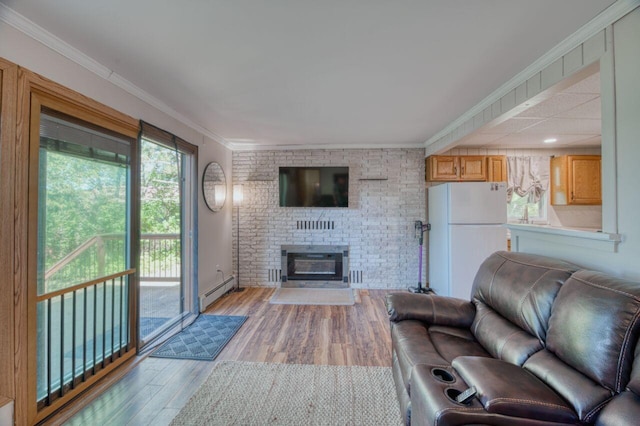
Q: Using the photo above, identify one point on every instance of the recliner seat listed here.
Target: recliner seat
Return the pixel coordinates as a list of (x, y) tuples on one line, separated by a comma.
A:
[(542, 341)]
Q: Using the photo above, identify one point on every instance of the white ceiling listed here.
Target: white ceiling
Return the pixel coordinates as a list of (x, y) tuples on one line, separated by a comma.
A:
[(315, 73), (572, 116)]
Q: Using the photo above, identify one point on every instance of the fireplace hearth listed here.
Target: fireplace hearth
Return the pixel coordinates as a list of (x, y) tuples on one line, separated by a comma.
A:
[(315, 266)]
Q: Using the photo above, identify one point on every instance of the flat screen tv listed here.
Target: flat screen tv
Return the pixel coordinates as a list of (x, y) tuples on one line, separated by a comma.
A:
[(314, 186)]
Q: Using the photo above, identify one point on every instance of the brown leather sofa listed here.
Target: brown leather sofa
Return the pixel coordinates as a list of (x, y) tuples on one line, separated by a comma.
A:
[(542, 342)]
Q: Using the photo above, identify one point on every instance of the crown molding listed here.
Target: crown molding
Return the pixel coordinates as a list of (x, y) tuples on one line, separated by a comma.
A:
[(36, 32), (607, 17), (299, 147)]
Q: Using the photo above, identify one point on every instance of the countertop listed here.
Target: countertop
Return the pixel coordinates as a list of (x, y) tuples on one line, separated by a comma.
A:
[(588, 233)]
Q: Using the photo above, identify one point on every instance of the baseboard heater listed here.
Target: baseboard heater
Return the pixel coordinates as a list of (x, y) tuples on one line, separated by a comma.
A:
[(212, 295)]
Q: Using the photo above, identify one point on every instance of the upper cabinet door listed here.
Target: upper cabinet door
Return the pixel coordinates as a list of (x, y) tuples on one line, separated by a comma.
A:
[(442, 168), (466, 168), (576, 180), (585, 179), (473, 168), (496, 168)]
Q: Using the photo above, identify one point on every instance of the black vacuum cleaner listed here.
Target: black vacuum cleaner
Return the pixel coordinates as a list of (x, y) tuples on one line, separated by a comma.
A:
[(420, 229)]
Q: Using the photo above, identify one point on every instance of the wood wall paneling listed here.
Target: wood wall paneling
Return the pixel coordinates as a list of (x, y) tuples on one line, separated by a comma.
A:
[(8, 81)]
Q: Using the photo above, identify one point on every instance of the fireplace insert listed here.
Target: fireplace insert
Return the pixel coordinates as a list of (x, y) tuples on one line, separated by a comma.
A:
[(315, 266)]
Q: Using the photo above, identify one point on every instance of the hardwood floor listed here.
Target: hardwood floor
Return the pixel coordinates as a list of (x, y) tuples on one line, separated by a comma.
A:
[(155, 389)]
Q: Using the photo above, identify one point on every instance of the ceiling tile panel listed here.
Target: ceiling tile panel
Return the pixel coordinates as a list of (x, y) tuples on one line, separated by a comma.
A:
[(557, 104), (591, 109), (590, 84), (560, 126), (511, 126)]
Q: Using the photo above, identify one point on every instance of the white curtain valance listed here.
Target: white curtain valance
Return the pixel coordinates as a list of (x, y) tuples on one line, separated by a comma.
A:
[(527, 176)]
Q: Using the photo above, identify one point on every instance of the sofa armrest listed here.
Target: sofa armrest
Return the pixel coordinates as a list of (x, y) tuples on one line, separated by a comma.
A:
[(510, 390), (431, 309)]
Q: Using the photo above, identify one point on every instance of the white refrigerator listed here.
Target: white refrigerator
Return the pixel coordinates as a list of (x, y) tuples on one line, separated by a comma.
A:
[(466, 227)]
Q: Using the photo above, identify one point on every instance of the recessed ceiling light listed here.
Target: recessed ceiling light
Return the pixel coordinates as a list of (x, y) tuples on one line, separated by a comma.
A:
[(550, 140)]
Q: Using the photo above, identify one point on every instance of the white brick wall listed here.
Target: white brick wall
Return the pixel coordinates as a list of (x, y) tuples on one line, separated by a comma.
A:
[(377, 226)]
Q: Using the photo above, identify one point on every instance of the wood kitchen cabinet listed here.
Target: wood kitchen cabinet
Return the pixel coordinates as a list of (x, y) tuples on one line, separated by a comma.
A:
[(442, 168), (496, 168), (576, 180), (473, 168), (466, 168)]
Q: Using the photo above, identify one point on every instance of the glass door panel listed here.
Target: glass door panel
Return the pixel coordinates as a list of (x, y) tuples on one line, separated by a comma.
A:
[(82, 298), (161, 247)]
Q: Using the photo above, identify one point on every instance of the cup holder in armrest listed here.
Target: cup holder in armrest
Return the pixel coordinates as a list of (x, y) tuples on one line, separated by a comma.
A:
[(452, 394), (443, 375)]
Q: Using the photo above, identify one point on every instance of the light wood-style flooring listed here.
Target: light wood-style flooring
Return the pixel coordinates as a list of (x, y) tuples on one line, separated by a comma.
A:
[(153, 390)]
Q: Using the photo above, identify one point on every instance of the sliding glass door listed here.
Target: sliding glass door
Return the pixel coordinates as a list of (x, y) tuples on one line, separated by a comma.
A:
[(83, 254), (100, 283), (166, 264)]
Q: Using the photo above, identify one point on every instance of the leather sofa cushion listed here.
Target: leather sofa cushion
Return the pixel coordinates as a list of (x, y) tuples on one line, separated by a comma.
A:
[(624, 409), (504, 388), (415, 343), (451, 345), (593, 307), (634, 382), (501, 338), (521, 288), (462, 333), (582, 394)]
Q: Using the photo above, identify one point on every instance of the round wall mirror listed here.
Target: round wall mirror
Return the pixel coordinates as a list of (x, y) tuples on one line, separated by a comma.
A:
[(214, 186)]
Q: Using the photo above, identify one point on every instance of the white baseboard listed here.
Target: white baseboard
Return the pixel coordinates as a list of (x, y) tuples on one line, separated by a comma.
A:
[(216, 291)]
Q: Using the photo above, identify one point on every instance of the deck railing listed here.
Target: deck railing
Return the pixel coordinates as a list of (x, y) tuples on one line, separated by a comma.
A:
[(83, 310), (160, 257), (80, 331), (102, 255)]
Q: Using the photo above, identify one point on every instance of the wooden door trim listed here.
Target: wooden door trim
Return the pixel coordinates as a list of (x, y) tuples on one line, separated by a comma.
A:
[(8, 86)]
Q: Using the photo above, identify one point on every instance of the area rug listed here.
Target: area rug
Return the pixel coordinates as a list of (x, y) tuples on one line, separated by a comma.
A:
[(246, 393), (313, 296), (202, 340)]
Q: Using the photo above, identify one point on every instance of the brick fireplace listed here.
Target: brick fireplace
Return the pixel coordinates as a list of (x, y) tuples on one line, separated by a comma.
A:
[(386, 196)]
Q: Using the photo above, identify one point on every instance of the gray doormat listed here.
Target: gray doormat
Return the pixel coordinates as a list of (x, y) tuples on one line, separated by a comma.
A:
[(202, 340), (149, 324), (313, 296)]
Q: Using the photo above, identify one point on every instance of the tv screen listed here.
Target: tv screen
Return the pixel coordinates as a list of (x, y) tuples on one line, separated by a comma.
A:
[(314, 187)]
